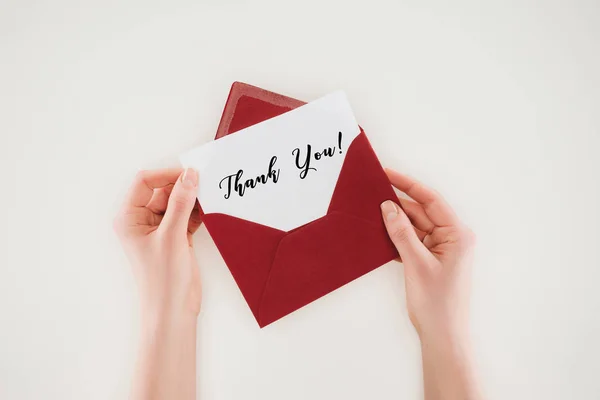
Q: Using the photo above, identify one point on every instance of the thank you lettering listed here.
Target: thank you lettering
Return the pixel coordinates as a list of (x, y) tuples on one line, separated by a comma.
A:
[(305, 159)]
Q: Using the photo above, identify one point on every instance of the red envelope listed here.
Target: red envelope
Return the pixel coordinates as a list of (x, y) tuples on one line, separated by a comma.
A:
[(278, 272)]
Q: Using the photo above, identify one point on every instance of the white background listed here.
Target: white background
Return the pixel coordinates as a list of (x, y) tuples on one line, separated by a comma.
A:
[(495, 104)]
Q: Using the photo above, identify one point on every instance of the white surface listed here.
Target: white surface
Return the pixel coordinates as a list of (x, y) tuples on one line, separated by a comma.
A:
[(495, 104), (308, 193)]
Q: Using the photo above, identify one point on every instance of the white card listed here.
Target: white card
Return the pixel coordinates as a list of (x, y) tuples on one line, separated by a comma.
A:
[(292, 186)]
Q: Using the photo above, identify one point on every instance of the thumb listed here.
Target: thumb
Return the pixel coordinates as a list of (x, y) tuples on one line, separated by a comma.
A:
[(403, 234), (181, 202)]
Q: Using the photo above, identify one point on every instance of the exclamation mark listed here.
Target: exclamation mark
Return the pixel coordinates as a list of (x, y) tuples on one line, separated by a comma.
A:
[(340, 141)]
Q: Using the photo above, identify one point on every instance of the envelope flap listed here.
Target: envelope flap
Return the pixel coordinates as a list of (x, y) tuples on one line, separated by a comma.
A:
[(319, 258)]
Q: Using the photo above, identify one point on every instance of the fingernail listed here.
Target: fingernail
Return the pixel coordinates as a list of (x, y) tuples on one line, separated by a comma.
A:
[(389, 209), (189, 178)]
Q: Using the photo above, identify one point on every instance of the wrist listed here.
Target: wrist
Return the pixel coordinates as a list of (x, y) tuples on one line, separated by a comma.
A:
[(449, 366), (167, 355), (450, 342), (156, 322), (446, 333)]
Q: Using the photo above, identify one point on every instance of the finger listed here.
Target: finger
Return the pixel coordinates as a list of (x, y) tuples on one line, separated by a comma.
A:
[(160, 199), (181, 202), (449, 238), (436, 208), (158, 205), (145, 182), (417, 215), (136, 220), (420, 234), (195, 219), (430, 241), (403, 235)]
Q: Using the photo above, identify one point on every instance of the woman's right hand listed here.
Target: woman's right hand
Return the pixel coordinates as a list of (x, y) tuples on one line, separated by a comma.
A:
[(436, 250)]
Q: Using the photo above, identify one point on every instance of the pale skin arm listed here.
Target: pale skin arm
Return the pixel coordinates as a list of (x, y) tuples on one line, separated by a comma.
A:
[(155, 226), (436, 250)]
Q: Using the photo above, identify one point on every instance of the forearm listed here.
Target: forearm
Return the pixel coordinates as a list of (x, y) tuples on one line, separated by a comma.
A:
[(166, 365), (448, 370)]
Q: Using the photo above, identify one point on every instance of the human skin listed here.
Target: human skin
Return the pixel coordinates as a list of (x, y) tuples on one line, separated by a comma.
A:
[(156, 224), (437, 251)]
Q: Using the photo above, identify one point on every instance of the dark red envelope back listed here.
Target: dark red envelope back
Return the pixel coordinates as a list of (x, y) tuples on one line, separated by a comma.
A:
[(279, 272)]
